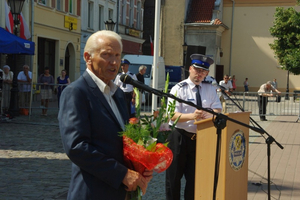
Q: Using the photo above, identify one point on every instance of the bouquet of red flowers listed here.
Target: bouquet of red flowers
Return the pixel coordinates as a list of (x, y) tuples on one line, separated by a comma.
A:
[(144, 139)]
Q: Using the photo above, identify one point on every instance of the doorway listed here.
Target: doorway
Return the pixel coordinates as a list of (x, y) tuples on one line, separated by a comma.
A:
[(70, 61), (219, 73), (46, 55)]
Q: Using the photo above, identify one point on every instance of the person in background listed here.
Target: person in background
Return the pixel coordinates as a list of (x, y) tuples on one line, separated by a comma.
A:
[(92, 114), (246, 85), (226, 84), (182, 140), (127, 88), (233, 81), (140, 77), (62, 81), (46, 82), (263, 94), (274, 83), (7, 79), (24, 80)]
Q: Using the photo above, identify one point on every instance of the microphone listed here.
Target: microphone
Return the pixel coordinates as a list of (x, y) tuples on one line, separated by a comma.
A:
[(128, 80)]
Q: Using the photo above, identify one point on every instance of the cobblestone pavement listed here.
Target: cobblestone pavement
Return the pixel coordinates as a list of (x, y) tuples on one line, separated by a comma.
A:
[(33, 165), (32, 162)]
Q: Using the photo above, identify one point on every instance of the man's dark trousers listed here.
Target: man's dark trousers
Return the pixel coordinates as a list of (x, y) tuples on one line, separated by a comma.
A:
[(184, 151), (128, 96), (262, 104)]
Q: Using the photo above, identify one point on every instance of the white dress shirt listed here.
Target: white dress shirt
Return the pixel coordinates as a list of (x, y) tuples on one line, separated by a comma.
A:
[(108, 91)]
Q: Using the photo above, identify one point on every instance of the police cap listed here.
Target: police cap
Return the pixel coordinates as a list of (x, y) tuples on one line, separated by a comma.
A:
[(201, 61), (125, 61)]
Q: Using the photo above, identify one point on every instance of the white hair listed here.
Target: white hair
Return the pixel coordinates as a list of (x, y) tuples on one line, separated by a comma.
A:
[(92, 44), (142, 67), (25, 66), (6, 66)]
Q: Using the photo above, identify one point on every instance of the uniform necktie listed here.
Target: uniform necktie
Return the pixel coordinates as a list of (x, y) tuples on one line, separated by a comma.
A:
[(124, 85), (198, 97)]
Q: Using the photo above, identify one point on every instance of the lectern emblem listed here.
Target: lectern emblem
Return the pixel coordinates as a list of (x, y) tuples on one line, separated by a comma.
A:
[(237, 150)]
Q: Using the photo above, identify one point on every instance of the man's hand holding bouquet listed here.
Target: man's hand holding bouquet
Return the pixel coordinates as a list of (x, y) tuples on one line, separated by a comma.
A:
[(144, 139)]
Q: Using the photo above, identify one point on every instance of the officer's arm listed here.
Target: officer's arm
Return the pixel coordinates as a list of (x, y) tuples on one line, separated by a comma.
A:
[(183, 116)]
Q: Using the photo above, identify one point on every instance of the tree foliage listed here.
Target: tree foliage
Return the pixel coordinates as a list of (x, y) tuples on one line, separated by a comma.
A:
[(286, 46)]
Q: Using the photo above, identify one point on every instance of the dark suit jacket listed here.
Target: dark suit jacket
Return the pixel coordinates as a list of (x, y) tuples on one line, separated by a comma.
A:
[(90, 135)]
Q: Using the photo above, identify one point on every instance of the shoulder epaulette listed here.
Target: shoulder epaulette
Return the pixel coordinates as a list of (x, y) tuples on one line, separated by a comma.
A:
[(181, 84), (208, 79)]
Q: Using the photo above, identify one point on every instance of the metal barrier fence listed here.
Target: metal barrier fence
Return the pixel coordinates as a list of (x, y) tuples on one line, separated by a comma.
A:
[(33, 101), (247, 100)]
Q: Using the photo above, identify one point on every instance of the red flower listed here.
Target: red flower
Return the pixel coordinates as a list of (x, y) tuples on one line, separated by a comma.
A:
[(133, 120), (138, 158)]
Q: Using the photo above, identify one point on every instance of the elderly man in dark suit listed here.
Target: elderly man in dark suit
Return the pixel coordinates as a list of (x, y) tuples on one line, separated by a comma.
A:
[(92, 114)]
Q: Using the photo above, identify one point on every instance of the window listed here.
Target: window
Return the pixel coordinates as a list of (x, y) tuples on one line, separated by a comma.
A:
[(123, 12), (72, 6), (110, 14), (60, 5), (131, 14), (45, 2), (90, 14), (138, 15), (101, 21)]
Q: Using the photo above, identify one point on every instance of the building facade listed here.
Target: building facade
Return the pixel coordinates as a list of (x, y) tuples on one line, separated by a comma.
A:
[(235, 33), (128, 16), (197, 26), (249, 38), (56, 34)]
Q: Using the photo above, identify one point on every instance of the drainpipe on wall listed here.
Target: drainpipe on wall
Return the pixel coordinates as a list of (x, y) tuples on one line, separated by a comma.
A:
[(32, 24), (118, 13), (232, 17)]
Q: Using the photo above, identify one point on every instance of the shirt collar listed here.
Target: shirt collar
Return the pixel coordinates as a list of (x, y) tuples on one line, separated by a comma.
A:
[(104, 88), (191, 84)]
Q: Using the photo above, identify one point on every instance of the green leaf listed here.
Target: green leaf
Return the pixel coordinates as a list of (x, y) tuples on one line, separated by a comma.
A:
[(151, 147)]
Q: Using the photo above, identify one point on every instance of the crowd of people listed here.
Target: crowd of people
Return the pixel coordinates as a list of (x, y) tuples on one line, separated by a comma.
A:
[(45, 84)]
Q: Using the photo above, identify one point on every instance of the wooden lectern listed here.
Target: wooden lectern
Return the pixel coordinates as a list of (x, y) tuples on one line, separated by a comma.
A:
[(233, 166)]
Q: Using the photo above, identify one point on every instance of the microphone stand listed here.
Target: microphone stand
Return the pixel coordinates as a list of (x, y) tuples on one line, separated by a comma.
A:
[(219, 122), (269, 140)]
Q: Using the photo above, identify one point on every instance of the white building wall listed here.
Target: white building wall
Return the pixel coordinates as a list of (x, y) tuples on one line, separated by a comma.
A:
[(87, 31)]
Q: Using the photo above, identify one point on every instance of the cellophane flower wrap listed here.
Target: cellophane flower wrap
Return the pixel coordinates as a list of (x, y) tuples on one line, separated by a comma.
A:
[(144, 138)]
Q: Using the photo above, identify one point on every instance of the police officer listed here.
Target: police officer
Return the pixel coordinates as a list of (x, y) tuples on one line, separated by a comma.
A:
[(127, 88), (182, 140)]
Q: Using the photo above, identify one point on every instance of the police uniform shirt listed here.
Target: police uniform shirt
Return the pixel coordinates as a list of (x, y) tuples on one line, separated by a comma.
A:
[(129, 87), (186, 90)]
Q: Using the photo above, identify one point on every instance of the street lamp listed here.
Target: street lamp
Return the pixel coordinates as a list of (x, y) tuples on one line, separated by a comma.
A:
[(287, 86), (16, 8), (110, 25), (184, 46)]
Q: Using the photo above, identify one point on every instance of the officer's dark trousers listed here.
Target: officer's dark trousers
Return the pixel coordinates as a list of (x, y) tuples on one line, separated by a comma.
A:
[(262, 105), (128, 96), (184, 150)]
